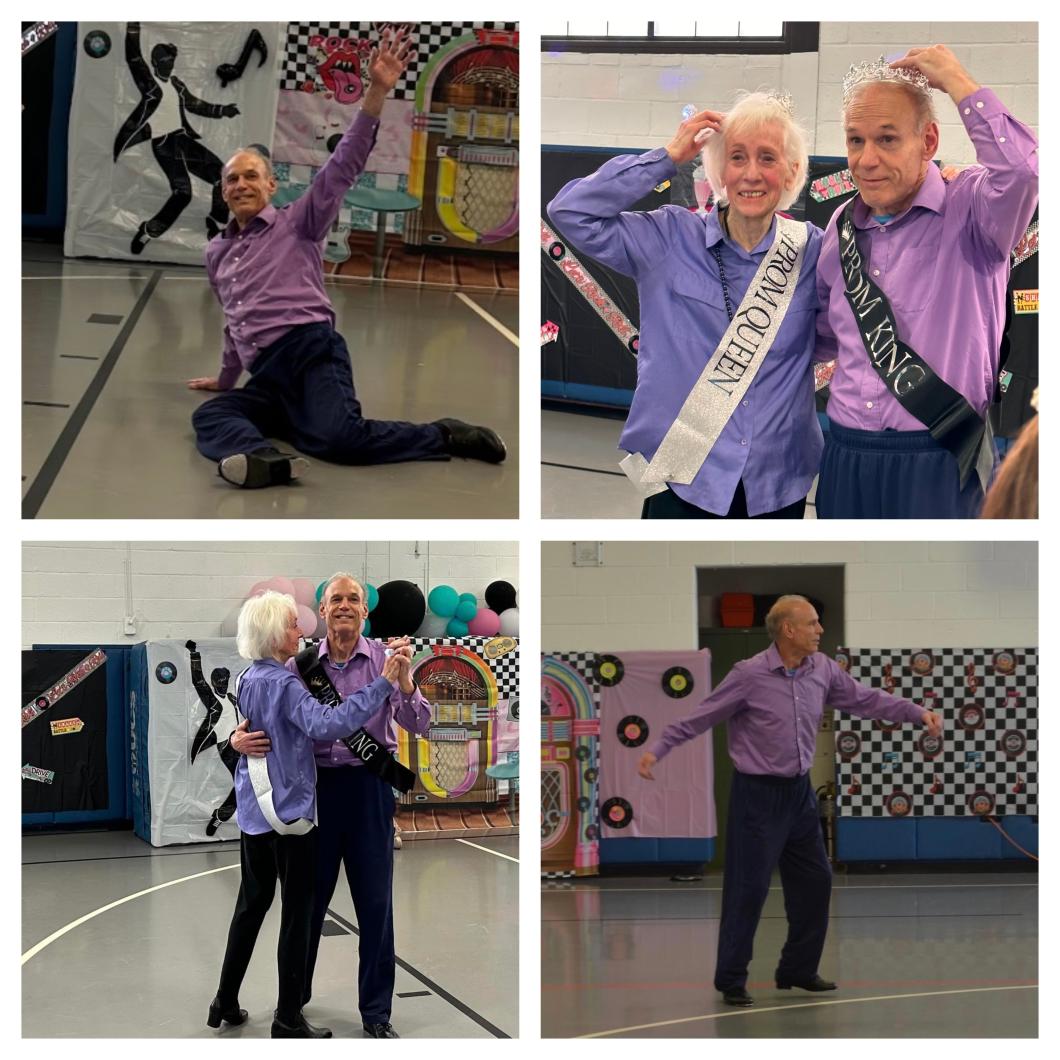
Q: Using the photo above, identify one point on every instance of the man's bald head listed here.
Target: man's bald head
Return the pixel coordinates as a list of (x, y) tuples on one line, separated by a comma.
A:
[(794, 626)]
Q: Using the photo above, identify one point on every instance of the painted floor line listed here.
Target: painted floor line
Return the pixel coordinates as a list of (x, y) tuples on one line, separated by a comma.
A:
[(475, 307), (34, 950), (127, 276), (807, 1004), (495, 853), (546, 889)]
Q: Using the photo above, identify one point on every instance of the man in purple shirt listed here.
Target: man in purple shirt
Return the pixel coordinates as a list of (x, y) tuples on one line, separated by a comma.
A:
[(773, 704), (266, 270), (916, 371), (355, 808)]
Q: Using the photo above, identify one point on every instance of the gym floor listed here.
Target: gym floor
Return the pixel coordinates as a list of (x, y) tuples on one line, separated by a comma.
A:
[(146, 928), (580, 476), (106, 417), (915, 956)]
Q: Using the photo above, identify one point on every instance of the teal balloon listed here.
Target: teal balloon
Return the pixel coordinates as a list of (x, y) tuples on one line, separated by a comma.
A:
[(443, 600), (366, 629), (469, 596), (466, 610), (320, 591), (456, 628), (373, 596)]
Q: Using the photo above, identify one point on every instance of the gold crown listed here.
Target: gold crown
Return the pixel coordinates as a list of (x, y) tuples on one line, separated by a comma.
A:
[(880, 70)]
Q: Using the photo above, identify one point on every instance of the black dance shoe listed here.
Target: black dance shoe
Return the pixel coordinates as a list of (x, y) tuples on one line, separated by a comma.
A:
[(299, 1029), (471, 442), (815, 984), (140, 240), (252, 471), (737, 996), (232, 1014), (379, 1030)]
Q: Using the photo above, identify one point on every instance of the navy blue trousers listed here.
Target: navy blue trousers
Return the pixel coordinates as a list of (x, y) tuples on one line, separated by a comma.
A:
[(892, 475), (355, 819), (301, 391), (773, 822)]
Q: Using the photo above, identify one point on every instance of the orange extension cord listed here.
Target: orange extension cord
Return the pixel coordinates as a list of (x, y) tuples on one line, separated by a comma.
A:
[(993, 821)]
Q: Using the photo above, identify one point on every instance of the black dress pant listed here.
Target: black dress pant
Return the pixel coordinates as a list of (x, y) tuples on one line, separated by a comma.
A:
[(773, 821), (264, 859), (355, 814), (667, 505)]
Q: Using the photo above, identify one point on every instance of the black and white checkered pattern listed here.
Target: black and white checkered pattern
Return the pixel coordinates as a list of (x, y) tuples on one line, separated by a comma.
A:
[(299, 63), (970, 760), (505, 668), (584, 662)]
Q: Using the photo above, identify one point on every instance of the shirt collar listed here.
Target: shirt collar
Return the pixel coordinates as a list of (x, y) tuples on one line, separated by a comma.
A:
[(931, 195), (360, 648), (266, 217), (775, 662), (714, 234)]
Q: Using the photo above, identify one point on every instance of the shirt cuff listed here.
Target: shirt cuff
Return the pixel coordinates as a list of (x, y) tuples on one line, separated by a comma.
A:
[(982, 103)]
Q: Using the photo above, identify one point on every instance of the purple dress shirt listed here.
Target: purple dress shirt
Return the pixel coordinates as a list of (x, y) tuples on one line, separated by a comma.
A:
[(412, 712), (773, 440), (272, 699), (943, 264), (269, 277), (774, 717)]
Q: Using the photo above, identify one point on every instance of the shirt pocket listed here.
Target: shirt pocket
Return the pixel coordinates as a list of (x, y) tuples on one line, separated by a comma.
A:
[(909, 280), (701, 293)]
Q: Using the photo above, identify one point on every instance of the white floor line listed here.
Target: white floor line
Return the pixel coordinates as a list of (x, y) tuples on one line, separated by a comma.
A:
[(127, 276), (34, 950), (495, 853), (549, 885), (808, 1004), (509, 335)]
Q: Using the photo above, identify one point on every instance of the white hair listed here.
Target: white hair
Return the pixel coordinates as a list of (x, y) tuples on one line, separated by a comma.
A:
[(262, 624), (338, 576), (752, 111)]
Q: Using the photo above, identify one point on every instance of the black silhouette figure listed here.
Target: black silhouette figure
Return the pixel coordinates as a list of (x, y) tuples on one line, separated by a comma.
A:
[(207, 736), (234, 71), (161, 117)]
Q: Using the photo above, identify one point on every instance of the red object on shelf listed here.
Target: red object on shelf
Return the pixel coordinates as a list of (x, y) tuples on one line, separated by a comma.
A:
[(737, 609)]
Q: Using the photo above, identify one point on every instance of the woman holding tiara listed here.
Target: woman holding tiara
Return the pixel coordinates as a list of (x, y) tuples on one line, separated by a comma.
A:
[(722, 423)]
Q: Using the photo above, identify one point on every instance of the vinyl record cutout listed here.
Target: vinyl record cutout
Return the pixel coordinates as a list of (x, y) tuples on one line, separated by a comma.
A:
[(632, 731), (848, 744), (842, 659), (922, 663), (971, 717), (898, 804), (1013, 743), (1004, 663), (609, 670), (677, 682), (616, 813), (981, 803), (930, 746), (887, 726), (166, 672)]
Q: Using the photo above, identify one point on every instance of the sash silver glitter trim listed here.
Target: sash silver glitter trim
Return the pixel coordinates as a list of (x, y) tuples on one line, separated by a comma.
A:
[(730, 371)]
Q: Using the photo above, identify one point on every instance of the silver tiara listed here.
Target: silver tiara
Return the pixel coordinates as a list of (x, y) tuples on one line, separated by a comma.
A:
[(880, 70), (784, 100)]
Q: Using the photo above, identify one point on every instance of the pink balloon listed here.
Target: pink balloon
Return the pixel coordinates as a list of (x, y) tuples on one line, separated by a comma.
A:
[(257, 589), (305, 592), (486, 623), (283, 585), (307, 621)]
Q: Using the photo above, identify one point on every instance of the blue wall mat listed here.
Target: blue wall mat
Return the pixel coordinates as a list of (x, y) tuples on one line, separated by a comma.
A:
[(875, 839), (641, 851)]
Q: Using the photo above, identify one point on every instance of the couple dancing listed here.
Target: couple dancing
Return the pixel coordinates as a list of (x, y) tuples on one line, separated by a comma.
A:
[(905, 290)]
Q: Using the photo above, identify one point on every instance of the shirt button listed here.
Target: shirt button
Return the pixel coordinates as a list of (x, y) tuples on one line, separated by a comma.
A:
[(979, 105), (967, 110), (746, 403), (743, 441), (1001, 139), (868, 404)]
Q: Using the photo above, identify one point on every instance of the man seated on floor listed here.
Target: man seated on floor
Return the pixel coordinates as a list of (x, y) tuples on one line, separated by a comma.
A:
[(266, 270)]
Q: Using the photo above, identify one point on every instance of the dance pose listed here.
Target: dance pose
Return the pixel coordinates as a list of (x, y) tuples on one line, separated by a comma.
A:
[(773, 703), (722, 422), (266, 270), (912, 278)]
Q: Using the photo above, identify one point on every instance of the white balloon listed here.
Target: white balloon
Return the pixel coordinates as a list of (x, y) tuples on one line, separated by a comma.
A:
[(510, 622), (433, 625)]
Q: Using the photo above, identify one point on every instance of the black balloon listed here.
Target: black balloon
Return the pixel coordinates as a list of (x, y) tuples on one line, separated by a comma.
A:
[(400, 610), (500, 596)]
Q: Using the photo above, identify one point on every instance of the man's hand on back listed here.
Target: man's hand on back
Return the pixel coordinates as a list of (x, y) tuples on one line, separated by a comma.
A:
[(205, 383)]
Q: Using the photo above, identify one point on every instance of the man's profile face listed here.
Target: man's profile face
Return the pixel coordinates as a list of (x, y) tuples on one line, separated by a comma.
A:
[(887, 156), (804, 628), (344, 608), (246, 186)]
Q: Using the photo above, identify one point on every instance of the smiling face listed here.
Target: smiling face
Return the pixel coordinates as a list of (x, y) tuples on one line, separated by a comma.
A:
[(246, 186), (757, 170), (344, 609), (887, 154)]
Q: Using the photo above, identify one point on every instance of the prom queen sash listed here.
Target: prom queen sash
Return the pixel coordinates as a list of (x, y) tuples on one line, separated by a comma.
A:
[(953, 423), (731, 369), (258, 771)]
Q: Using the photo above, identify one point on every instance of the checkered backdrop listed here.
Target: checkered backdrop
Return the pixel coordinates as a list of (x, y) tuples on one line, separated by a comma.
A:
[(987, 758), (299, 66)]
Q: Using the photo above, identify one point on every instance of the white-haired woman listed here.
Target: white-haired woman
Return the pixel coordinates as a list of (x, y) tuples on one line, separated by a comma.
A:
[(722, 422), (276, 804)]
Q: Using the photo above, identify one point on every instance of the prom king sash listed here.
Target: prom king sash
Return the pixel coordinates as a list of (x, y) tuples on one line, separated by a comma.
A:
[(731, 369)]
